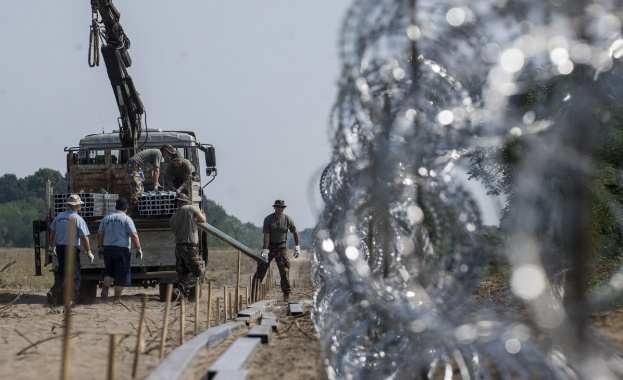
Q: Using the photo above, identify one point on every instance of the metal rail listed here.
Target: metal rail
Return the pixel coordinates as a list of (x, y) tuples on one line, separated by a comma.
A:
[(232, 242)]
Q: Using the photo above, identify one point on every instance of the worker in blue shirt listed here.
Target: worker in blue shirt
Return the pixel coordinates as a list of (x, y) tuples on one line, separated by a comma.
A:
[(60, 240), (115, 234)]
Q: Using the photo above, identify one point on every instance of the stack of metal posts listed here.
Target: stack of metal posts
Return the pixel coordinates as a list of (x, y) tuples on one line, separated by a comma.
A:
[(95, 204), (157, 203)]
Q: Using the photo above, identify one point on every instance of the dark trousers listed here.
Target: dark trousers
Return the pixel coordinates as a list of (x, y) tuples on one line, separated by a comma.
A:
[(59, 274), (189, 267), (279, 252)]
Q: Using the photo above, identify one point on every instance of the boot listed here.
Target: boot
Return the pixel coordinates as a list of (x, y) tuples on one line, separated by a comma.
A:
[(286, 297), (51, 298)]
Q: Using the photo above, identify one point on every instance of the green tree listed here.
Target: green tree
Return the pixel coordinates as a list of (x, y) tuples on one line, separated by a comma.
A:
[(16, 219)]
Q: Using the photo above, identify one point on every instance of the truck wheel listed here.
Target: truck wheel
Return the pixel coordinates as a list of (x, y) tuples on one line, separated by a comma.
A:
[(88, 292)]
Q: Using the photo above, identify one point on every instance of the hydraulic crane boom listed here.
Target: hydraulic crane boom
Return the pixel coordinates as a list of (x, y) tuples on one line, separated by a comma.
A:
[(117, 60)]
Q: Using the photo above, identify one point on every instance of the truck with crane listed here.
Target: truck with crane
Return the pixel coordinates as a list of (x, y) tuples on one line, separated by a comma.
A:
[(96, 171)]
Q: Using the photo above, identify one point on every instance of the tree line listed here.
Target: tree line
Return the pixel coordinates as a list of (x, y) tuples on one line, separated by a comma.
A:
[(22, 202)]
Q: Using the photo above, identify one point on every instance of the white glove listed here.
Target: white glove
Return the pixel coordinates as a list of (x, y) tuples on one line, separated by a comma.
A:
[(265, 253), (91, 257), (139, 254), (52, 251), (297, 251)]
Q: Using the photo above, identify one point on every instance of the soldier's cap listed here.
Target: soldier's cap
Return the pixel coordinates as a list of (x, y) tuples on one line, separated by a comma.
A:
[(121, 204), (181, 197), (176, 156), (74, 200), (280, 202), (169, 148)]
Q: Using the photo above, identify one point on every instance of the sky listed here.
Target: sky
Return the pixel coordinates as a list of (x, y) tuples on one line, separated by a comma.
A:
[(256, 79)]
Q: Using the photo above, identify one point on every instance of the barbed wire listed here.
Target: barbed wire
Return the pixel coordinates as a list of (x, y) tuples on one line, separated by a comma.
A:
[(399, 252)]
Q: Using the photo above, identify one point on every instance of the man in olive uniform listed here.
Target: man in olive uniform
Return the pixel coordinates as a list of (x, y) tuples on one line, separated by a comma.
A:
[(147, 161), (178, 170), (188, 261), (275, 229)]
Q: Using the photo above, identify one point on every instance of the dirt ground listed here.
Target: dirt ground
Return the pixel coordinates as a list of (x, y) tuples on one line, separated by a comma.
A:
[(31, 332)]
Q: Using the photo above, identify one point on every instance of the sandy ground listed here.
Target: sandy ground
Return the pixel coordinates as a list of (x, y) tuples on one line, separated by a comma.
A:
[(32, 333)]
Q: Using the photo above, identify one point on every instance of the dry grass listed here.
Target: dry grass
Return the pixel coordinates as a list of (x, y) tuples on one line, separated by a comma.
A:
[(19, 270)]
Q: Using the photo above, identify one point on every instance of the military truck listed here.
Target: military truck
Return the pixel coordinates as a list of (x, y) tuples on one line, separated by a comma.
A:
[(96, 169), (96, 174)]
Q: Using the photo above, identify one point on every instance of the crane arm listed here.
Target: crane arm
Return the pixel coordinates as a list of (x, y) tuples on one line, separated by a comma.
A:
[(117, 60)]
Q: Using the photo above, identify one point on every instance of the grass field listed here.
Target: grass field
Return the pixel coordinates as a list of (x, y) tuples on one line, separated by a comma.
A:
[(17, 267)]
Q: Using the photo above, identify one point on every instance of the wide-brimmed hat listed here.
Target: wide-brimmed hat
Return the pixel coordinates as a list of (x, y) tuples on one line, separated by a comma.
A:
[(280, 202), (169, 148), (121, 204), (181, 197), (74, 200)]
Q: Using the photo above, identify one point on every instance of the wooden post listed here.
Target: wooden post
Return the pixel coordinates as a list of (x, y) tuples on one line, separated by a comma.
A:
[(209, 302), (247, 299), (236, 309), (231, 306), (225, 303), (218, 312), (197, 291), (182, 319), (165, 326), (112, 353), (251, 289), (68, 295), (139, 340)]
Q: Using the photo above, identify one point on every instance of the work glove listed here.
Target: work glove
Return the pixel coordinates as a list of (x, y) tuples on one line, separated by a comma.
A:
[(100, 253), (52, 251), (91, 257), (265, 253), (297, 251), (139, 254)]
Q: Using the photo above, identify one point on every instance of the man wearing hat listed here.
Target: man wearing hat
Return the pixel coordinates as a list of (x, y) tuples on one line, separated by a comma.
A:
[(275, 229), (67, 230), (147, 161), (116, 232), (188, 261), (178, 170)]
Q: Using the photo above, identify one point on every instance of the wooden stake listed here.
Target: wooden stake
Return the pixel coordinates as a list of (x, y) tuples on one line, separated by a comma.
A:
[(197, 291), (68, 295), (236, 309), (209, 302), (218, 311), (139, 340), (231, 306), (182, 319), (112, 353), (165, 326), (225, 302)]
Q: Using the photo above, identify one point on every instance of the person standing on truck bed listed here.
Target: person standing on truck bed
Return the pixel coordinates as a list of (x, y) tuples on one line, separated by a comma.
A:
[(60, 240), (178, 170), (114, 235), (188, 261), (147, 161), (275, 229)]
